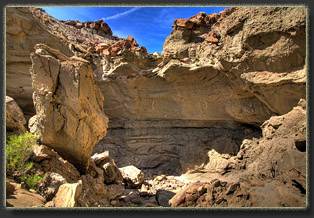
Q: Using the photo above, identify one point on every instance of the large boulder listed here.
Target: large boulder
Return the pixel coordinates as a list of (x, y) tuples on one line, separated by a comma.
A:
[(69, 106), (15, 120)]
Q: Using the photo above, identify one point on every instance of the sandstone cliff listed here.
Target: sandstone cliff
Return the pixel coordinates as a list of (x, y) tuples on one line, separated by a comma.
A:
[(237, 67)]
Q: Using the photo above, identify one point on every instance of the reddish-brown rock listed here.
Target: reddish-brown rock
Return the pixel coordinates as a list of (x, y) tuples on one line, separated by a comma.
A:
[(212, 37)]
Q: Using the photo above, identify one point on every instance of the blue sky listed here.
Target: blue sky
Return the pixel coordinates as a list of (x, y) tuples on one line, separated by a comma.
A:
[(148, 25)]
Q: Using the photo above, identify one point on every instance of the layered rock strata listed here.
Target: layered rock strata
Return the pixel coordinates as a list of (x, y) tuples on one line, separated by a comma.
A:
[(217, 73)]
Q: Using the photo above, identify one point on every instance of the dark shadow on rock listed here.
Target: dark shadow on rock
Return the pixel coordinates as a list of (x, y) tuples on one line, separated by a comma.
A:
[(172, 150), (163, 197)]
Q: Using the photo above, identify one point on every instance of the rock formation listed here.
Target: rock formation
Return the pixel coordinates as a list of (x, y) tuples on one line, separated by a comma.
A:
[(262, 172), (15, 120), (253, 72), (69, 106), (23, 32), (221, 105)]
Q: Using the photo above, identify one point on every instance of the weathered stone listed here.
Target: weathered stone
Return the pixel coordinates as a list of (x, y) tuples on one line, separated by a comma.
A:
[(9, 188), (69, 118), (112, 173), (42, 152), (15, 120), (68, 195), (23, 198), (212, 37), (97, 158), (99, 21), (132, 176), (52, 182), (94, 26)]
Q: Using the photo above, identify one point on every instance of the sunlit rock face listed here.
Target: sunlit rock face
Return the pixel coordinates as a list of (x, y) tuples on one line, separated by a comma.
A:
[(69, 113), (23, 32), (216, 74)]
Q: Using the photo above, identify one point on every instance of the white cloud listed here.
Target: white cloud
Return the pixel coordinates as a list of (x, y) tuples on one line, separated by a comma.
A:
[(121, 14)]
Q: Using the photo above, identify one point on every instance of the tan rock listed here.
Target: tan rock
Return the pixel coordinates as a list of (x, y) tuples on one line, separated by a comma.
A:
[(212, 37), (69, 118), (97, 158), (43, 152), (15, 120), (112, 173), (68, 194), (132, 175), (23, 198)]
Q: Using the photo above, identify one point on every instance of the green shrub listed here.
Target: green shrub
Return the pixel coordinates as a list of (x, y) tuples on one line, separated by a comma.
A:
[(31, 180), (18, 151)]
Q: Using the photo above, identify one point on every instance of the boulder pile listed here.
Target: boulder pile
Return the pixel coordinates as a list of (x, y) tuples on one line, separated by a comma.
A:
[(98, 25), (202, 23)]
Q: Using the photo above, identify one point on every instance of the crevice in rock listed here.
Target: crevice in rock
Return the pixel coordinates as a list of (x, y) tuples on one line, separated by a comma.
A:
[(299, 186)]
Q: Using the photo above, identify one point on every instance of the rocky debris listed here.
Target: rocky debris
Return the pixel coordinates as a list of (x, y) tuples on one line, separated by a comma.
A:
[(54, 170), (213, 194), (69, 113), (98, 158), (112, 173), (95, 191), (112, 50), (99, 25), (15, 120), (265, 167), (201, 22), (213, 38), (52, 182), (198, 109), (17, 196), (132, 176), (49, 161), (68, 194)]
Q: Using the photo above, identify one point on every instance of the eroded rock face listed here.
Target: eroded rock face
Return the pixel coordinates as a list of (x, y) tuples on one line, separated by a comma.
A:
[(218, 70), (23, 31), (270, 170), (69, 114)]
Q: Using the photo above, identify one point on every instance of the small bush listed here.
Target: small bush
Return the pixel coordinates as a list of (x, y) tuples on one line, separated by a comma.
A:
[(31, 180), (18, 151)]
